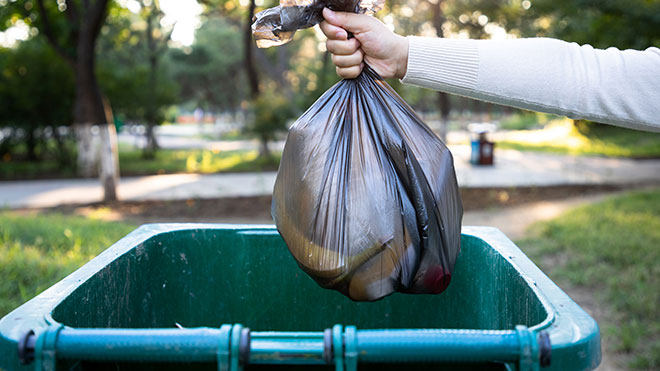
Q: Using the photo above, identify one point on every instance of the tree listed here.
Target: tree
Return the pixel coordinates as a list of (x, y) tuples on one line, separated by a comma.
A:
[(209, 74), (71, 28), (612, 23), (443, 98), (132, 72), (248, 49), (271, 113), (36, 91)]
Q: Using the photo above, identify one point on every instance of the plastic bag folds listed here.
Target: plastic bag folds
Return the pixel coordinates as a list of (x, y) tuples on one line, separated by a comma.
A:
[(276, 26), (366, 196)]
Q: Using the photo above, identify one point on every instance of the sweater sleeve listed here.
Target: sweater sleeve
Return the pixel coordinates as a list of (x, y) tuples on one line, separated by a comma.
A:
[(609, 86)]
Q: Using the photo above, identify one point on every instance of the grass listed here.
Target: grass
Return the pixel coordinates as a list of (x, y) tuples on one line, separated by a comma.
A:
[(166, 161), (38, 250), (169, 161), (563, 137), (11, 169), (613, 249), (525, 120)]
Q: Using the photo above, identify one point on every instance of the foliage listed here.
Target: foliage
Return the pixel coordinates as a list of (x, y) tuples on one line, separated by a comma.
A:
[(209, 73), (618, 23), (525, 120), (564, 137), (272, 112), (28, 12), (610, 23), (140, 86), (165, 161), (38, 250), (13, 167), (125, 71), (128, 90), (611, 248), (36, 86), (36, 91)]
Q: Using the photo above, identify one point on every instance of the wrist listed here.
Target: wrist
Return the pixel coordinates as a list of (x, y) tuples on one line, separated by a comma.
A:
[(402, 57)]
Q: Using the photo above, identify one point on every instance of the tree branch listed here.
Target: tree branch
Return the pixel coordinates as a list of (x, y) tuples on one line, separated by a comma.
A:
[(157, 13), (163, 44), (96, 15), (50, 35), (72, 12)]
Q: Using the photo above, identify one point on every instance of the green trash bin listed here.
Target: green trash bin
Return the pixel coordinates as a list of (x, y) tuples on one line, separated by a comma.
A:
[(230, 297)]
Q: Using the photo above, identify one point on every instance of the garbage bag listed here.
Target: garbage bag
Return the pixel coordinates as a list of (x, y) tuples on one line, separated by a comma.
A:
[(366, 196), (276, 26)]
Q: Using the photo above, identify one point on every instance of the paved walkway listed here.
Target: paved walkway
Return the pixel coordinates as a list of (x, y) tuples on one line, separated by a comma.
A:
[(512, 168)]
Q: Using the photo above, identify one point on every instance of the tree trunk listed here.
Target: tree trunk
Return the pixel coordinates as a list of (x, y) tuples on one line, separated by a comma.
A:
[(89, 110), (324, 73), (248, 45), (443, 98), (152, 109), (264, 152), (443, 102), (31, 144), (109, 162), (84, 22), (87, 106), (151, 146), (86, 158)]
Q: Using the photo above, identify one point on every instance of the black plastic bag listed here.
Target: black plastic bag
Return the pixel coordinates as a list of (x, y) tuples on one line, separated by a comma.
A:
[(366, 196)]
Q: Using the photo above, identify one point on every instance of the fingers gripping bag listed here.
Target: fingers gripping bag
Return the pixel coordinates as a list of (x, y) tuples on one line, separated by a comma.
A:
[(366, 196)]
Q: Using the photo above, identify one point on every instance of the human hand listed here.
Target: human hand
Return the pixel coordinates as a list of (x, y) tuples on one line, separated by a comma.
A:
[(372, 42)]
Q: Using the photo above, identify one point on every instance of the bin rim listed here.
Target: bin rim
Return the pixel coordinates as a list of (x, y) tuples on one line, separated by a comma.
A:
[(53, 296)]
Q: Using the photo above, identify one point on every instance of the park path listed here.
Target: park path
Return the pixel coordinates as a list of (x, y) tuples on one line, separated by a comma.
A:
[(512, 169)]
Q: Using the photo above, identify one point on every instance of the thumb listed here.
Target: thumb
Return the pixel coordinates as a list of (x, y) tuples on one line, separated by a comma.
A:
[(349, 21)]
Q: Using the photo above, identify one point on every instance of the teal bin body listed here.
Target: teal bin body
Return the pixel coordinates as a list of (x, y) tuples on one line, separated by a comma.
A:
[(231, 297)]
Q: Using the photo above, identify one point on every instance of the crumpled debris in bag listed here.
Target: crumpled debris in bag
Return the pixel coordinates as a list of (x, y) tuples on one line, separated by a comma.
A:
[(276, 26), (366, 196)]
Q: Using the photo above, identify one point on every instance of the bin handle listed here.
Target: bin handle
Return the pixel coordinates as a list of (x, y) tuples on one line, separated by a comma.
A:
[(233, 346)]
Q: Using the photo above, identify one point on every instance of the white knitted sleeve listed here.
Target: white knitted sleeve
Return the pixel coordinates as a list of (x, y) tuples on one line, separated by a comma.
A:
[(609, 86)]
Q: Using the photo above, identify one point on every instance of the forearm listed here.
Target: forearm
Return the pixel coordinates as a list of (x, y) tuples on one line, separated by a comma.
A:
[(610, 86)]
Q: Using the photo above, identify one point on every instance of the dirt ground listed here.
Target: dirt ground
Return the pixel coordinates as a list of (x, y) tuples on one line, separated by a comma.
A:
[(257, 209)]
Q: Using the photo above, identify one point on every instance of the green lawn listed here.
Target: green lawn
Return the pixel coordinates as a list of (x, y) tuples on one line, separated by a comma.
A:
[(563, 137), (38, 250), (167, 161), (526, 120), (612, 249)]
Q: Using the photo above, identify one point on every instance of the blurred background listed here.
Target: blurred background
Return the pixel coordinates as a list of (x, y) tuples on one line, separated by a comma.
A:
[(118, 113)]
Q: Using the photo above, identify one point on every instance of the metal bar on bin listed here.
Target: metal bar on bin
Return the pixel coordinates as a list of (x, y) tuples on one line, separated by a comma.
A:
[(294, 348), (164, 345), (235, 346), (235, 362), (223, 348), (438, 345)]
